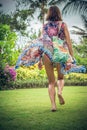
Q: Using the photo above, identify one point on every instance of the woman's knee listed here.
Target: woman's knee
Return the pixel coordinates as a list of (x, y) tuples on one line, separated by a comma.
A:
[(60, 76)]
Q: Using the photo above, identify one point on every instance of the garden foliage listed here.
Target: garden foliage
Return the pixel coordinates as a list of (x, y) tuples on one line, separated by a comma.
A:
[(8, 53), (80, 52), (32, 77)]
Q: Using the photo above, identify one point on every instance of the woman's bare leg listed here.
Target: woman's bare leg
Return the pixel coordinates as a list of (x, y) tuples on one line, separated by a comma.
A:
[(60, 84), (51, 78)]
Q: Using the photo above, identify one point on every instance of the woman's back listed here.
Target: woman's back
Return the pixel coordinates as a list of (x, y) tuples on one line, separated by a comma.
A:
[(53, 29)]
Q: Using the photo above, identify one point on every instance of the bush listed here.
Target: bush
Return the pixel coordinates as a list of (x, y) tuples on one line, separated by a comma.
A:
[(8, 54), (24, 73), (7, 45), (80, 52), (7, 76), (32, 77), (76, 79)]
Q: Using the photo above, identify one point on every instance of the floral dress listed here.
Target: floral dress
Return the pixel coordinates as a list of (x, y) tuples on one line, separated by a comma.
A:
[(44, 45)]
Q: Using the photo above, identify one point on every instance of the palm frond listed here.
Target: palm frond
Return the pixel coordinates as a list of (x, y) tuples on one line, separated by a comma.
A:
[(54, 2), (80, 29), (78, 33), (28, 1), (84, 19), (75, 6)]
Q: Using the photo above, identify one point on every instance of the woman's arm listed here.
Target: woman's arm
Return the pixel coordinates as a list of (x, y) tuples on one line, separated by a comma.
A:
[(67, 36)]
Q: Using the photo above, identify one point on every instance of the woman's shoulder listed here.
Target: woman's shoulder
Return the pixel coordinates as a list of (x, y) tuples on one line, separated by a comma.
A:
[(63, 24)]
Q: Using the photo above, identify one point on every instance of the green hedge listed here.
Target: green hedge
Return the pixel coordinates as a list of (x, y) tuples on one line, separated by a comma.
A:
[(33, 78)]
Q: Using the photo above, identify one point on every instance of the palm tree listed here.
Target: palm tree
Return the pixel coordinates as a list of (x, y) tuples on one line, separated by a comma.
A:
[(42, 5), (38, 4), (79, 6)]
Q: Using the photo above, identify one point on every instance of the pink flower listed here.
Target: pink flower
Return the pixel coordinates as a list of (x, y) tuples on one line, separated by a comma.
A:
[(11, 71)]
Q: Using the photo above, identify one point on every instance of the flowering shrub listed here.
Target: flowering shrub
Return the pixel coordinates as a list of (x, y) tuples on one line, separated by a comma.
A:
[(10, 73), (32, 72), (31, 76), (7, 77)]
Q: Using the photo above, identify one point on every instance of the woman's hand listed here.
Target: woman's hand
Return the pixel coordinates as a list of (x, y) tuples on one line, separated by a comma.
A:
[(68, 66)]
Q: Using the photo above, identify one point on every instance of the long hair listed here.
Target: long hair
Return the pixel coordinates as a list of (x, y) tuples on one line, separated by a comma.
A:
[(53, 14)]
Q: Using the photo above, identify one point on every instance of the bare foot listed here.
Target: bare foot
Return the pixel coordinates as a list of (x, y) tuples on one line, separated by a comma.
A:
[(61, 99), (53, 108)]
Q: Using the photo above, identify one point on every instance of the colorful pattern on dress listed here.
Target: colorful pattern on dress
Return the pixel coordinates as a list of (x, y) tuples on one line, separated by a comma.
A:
[(44, 45), (32, 55)]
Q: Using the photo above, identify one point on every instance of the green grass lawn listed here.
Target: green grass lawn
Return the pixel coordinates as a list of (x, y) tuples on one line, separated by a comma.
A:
[(29, 109)]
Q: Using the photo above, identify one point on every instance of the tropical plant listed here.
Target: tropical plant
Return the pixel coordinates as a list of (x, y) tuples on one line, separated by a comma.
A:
[(79, 6), (16, 20), (76, 6), (19, 19), (8, 54), (81, 48), (7, 45), (80, 52), (41, 5), (79, 31), (57, 2), (84, 19)]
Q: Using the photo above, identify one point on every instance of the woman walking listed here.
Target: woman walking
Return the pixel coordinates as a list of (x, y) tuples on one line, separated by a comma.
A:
[(52, 52), (55, 27)]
